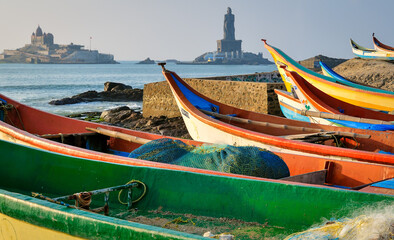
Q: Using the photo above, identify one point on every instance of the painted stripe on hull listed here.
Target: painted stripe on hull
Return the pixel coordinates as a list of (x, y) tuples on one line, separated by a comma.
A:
[(11, 228)]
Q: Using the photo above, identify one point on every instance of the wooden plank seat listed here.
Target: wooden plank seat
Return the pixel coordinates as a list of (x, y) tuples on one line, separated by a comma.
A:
[(60, 135)]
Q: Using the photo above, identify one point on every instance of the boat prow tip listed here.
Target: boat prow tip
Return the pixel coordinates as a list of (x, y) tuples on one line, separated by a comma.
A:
[(162, 64)]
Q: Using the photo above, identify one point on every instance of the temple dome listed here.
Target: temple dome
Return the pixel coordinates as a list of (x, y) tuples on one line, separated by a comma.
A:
[(38, 31)]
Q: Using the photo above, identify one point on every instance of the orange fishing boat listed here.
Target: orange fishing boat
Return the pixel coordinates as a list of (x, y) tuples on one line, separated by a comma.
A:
[(29, 126)]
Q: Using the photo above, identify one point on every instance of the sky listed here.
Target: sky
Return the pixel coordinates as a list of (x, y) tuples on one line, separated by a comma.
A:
[(185, 29)]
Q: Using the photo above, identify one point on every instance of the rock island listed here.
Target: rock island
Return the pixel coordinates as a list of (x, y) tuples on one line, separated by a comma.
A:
[(42, 49)]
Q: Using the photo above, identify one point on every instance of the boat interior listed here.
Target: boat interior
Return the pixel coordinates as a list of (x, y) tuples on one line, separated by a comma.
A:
[(327, 175)]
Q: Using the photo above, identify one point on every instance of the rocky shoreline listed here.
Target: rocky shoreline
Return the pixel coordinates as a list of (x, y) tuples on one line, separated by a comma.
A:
[(133, 119), (124, 116), (113, 92)]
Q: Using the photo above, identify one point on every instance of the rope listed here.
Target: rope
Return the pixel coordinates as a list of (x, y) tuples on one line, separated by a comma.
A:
[(339, 143), (39, 195), (84, 199), (179, 220), (6, 107), (139, 198)]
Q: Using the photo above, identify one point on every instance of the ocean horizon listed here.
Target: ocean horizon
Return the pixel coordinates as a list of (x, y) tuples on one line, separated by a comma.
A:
[(38, 84)]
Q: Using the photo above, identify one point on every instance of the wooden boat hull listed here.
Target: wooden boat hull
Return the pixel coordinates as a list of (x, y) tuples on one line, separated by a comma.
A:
[(292, 206), (288, 104), (204, 128), (312, 99), (349, 92), (382, 47), (343, 173), (368, 53)]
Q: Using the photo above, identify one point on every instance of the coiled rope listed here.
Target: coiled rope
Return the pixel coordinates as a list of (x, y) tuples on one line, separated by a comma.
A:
[(139, 198), (7, 107), (84, 199)]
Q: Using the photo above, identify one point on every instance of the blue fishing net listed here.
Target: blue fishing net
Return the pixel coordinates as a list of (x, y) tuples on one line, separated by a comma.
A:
[(247, 160)]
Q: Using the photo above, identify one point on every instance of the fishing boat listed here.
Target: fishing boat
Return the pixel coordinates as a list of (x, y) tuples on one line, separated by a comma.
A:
[(211, 121), (381, 47), (327, 71), (311, 104), (368, 53), (346, 91), (25, 125), (46, 195)]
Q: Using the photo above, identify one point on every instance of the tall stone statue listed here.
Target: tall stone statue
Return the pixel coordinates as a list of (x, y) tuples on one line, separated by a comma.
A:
[(229, 30), (228, 44)]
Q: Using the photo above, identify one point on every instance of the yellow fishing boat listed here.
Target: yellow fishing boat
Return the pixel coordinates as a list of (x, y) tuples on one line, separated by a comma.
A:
[(352, 93)]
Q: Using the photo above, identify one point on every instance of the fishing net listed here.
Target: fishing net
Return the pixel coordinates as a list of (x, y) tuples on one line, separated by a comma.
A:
[(359, 228), (252, 161)]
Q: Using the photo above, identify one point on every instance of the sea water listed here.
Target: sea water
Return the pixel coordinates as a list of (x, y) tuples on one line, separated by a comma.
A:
[(38, 84)]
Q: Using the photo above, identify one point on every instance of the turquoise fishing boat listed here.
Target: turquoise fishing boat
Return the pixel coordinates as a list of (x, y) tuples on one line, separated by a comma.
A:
[(368, 53), (276, 206), (327, 71)]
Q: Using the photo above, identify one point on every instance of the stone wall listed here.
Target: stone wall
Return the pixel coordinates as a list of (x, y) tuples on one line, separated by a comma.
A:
[(267, 77), (259, 97)]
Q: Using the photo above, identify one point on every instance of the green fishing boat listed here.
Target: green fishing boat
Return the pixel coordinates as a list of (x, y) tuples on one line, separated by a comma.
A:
[(272, 207)]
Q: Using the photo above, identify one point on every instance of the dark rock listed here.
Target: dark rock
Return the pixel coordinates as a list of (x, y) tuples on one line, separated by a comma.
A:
[(64, 101), (124, 95), (88, 94), (113, 92), (128, 118), (113, 86), (116, 115)]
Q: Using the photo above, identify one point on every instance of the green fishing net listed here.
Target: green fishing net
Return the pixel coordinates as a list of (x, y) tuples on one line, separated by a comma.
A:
[(246, 160)]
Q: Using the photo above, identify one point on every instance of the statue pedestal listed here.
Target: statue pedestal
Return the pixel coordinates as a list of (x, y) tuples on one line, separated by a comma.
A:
[(229, 45)]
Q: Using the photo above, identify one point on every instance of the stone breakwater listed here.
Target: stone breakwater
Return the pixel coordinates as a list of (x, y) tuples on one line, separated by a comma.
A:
[(253, 96)]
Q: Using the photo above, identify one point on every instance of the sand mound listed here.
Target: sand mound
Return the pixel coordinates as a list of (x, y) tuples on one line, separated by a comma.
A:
[(375, 73)]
